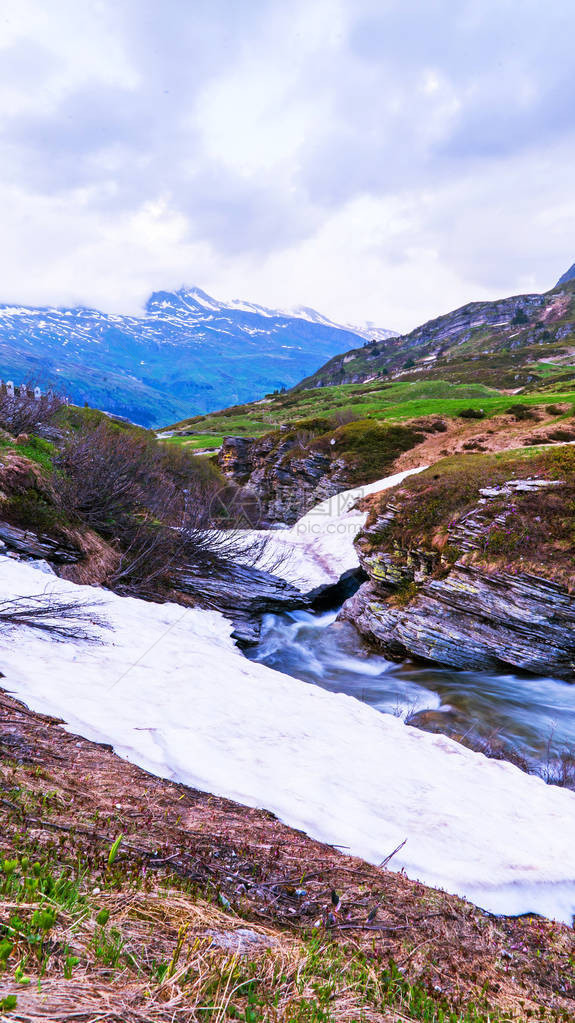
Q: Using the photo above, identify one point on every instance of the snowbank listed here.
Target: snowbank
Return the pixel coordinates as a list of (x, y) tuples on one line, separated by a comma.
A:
[(319, 548), (168, 688)]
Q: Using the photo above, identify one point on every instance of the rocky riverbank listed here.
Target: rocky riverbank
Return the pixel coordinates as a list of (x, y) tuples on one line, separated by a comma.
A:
[(470, 565)]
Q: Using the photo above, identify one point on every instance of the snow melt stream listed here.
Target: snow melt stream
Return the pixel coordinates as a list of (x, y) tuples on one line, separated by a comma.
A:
[(168, 688)]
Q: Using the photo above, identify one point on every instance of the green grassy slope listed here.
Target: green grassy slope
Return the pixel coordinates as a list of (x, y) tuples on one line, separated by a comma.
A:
[(486, 356), (391, 402)]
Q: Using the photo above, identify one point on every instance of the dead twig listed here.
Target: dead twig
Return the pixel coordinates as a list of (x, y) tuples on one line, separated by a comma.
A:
[(387, 859)]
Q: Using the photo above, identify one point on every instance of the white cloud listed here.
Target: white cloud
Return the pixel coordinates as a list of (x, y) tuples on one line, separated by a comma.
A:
[(380, 161)]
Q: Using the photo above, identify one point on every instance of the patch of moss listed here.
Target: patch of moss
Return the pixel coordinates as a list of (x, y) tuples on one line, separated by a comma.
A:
[(370, 447), (40, 451)]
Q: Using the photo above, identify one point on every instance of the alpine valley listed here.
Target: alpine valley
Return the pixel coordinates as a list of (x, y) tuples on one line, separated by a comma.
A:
[(313, 657), (187, 353)]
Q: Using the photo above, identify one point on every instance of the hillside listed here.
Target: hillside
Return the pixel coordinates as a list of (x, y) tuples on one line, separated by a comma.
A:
[(488, 377), (569, 275), (188, 353), (517, 342), (477, 356)]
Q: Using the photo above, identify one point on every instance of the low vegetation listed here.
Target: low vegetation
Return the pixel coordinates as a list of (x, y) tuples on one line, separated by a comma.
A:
[(521, 531), (370, 448), (102, 483), (476, 362), (393, 403), (22, 412)]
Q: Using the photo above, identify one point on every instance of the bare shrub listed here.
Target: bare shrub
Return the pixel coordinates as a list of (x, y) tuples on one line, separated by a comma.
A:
[(48, 612), (24, 413), (302, 439), (106, 474), (561, 770), (161, 507), (202, 528), (344, 416)]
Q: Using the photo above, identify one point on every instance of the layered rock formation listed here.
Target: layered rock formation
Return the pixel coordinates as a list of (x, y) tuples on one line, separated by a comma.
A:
[(293, 469), (286, 477), (243, 594), (34, 545), (444, 604)]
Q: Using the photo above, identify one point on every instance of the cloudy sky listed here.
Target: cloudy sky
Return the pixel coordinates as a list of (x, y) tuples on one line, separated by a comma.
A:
[(380, 160)]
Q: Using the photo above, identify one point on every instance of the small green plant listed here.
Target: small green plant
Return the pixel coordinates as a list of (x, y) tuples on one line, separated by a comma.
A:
[(43, 919), (69, 963), (108, 946), (114, 850), (6, 948)]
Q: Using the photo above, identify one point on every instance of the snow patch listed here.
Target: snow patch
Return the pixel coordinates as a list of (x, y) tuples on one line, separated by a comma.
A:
[(320, 547), (172, 693)]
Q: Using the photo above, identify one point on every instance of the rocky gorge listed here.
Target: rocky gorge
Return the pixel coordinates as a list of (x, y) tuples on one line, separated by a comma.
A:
[(290, 470), (286, 478)]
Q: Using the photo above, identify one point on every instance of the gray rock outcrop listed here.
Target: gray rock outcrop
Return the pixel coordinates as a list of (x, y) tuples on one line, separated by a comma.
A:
[(465, 613), (285, 478)]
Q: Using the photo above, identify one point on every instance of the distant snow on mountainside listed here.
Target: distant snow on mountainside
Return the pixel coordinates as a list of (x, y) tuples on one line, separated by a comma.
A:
[(187, 354), (368, 330), (197, 297)]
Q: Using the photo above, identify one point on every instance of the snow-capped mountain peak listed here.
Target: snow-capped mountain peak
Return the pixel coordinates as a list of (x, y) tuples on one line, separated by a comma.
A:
[(188, 353)]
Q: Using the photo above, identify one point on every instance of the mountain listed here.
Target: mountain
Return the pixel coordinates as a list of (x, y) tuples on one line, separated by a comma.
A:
[(568, 276), (509, 343), (187, 354)]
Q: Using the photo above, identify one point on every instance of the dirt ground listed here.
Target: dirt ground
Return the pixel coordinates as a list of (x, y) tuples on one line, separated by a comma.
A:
[(499, 433)]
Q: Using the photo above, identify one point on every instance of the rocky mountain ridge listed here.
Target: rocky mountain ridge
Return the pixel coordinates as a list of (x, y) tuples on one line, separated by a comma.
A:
[(517, 334), (569, 275)]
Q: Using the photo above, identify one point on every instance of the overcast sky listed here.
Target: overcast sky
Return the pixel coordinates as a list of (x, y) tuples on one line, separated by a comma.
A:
[(381, 160)]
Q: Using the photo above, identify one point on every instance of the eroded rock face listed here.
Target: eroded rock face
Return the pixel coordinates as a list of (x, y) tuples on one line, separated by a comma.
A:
[(243, 594), (464, 614), (285, 482), (475, 620), (34, 545)]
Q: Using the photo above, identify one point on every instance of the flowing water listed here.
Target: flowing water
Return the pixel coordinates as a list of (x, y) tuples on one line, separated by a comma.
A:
[(523, 717)]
